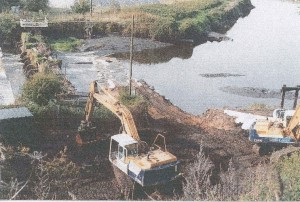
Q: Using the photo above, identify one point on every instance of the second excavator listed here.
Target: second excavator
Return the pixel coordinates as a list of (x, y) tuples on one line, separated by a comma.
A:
[(145, 165)]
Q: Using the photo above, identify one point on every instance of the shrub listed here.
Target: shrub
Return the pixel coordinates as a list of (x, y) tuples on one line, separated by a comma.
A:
[(7, 27), (198, 178), (41, 88), (81, 6), (290, 177), (54, 179), (261, 183)]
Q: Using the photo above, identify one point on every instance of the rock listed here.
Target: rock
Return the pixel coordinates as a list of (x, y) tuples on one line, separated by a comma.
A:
[(214, 36)]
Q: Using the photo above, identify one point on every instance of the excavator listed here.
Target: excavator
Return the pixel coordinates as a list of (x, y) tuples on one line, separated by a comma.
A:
[(145, 165), (283, 127), (280, 130)]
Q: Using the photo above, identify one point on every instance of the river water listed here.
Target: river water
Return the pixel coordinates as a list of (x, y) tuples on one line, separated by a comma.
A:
[(264, 53), (265, 49)]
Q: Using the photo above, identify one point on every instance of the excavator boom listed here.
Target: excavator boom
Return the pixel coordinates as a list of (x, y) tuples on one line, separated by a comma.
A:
[(119, 110), (105, 97), (293, 123)]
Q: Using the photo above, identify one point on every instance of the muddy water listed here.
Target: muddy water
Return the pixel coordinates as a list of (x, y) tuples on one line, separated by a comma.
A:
[(11, 78), (265, 51)]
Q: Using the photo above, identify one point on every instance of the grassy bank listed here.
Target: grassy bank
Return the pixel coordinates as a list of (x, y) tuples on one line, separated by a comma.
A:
[(169, 21)]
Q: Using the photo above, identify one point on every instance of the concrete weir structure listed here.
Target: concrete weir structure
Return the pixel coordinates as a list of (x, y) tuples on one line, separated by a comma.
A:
[(6, 92)]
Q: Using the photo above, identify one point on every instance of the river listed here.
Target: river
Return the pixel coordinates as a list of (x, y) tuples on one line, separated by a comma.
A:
[(264, 53), (265, 49)]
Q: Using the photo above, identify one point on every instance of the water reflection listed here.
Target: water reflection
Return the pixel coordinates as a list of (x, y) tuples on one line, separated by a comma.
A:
[(159, 55)]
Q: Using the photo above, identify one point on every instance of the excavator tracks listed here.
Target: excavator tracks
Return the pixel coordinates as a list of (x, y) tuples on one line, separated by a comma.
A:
[(287, 151)]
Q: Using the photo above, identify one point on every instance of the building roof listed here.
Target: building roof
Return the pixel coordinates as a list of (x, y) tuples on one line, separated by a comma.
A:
[(123, 139), (14, 113)]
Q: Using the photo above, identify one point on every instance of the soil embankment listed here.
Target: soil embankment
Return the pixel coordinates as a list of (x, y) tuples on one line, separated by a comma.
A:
[(221, 137)]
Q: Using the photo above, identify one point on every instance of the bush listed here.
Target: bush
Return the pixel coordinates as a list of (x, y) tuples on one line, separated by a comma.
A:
[(55, 179), (7, 27), (290, 177), (261, 184), (81, 6), (198, 179), (41, 88)]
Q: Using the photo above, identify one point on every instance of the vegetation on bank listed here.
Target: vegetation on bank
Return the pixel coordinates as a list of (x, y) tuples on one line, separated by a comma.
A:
[(66, 44), (266, 182), (166, 22), (8, 28), (171, 21), (41, 88)]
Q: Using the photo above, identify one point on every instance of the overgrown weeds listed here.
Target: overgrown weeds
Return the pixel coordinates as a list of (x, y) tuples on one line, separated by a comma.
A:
[(66, 44)]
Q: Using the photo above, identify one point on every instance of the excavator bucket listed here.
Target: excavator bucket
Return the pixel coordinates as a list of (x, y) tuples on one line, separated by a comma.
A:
[(86, 133)]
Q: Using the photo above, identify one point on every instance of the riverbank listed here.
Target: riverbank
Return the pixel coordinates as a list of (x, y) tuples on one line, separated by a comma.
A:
[(174, 22)]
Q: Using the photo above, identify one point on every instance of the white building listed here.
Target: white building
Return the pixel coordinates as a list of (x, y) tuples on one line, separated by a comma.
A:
[(61, 3)]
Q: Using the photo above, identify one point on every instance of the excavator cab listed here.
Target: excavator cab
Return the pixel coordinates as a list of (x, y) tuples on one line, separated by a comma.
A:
[(157, 166)]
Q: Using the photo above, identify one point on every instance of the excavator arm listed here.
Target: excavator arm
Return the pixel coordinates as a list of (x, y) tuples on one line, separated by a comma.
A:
[(105, 97), (292, 129)]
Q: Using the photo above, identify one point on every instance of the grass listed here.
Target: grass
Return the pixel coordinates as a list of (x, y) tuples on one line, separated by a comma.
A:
[(174, 19), (66, 44), (168, 21), (134, 101)]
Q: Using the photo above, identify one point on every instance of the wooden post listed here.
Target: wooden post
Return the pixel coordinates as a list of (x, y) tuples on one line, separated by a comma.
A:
[(282, 96), (131, 54), (91, 8), (296, 98)]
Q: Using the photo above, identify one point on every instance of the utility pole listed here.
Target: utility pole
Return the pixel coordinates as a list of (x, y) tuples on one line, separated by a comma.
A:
[(131, 54), (91, 8)]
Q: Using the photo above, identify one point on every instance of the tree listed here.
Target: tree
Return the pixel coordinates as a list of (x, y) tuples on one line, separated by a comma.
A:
[(81, 6), (7, 4), (7, 27), (41, 88), (35, 5)]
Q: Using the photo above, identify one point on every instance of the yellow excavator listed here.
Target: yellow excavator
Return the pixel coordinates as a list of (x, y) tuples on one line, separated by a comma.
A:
[(283, 127), (280, 130), (145, 165)]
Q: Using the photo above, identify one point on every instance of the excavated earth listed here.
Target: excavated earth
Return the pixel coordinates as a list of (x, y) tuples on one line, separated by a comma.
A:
[(217, 132)]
